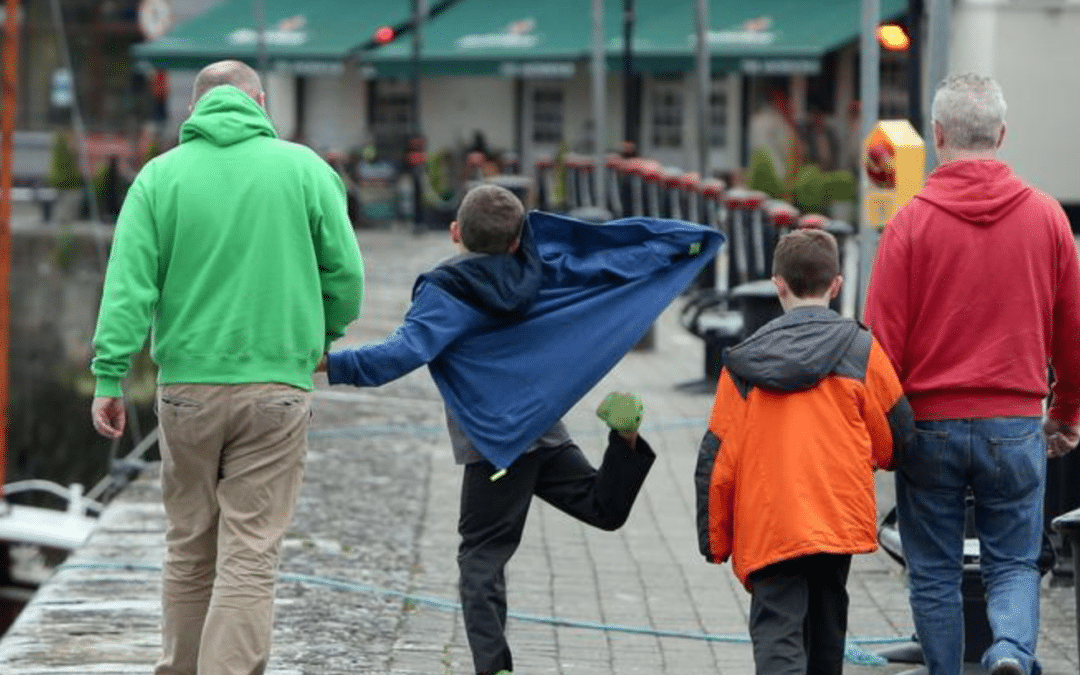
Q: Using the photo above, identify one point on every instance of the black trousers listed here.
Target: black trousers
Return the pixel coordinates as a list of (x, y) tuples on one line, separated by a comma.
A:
[(798, 615), (493, 518)]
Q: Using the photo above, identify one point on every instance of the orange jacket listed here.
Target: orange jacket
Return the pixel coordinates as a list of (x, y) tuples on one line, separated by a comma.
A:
[(806, 409)]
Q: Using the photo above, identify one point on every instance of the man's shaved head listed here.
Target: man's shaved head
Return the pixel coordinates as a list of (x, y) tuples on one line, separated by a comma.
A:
[(236, 73)]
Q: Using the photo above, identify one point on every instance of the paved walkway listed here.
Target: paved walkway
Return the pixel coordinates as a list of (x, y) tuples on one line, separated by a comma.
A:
[(369, 573)]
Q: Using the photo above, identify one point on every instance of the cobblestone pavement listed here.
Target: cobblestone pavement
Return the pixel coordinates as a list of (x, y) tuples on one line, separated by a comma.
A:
[(368, 568), (646, 583)]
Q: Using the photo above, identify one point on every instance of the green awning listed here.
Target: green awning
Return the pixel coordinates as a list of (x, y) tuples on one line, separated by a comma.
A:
[(553, 38), (312, 36), (514, 38), (529, 38), (755, 37)]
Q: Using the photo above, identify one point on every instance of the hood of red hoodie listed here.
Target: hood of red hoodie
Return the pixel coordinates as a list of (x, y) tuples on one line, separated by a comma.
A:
[(979, 191)]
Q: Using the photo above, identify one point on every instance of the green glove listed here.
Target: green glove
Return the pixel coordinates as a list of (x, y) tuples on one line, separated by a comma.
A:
[(622, 412)]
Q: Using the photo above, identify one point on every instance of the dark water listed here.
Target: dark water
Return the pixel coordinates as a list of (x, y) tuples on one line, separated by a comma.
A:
[(50, 437)]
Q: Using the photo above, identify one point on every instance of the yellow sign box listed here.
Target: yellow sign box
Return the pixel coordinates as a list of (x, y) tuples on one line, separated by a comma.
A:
[(893, 161)]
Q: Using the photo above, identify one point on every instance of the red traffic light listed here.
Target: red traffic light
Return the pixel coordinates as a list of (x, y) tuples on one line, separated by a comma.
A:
[(383, 35)]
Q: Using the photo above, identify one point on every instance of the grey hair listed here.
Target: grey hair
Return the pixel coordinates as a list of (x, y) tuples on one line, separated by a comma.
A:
[(971, 111)]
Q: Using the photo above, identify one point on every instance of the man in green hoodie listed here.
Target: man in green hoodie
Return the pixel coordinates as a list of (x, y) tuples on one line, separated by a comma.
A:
[(235, 251)]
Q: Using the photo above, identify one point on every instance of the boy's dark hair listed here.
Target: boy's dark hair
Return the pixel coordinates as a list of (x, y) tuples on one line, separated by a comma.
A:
[(490, 218), (807, 260)]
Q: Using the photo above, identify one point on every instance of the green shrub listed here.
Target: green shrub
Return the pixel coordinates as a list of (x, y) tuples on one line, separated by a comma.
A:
[(100, 182), (64, 165), (839, 185), (153, 149), (810, 193), (558, 185), (438, 173), (763, 174)]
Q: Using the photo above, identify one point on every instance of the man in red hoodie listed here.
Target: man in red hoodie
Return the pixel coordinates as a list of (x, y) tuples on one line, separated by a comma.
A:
[(974, 293)]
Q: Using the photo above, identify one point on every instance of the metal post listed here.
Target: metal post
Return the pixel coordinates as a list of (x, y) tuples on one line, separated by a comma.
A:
[(415, 141), (915, 49), (77, 120), (260, 30), (598, 99), (937, 66), (630, 112), (704, 85), (869, 97), (7, 145), (870, 66)]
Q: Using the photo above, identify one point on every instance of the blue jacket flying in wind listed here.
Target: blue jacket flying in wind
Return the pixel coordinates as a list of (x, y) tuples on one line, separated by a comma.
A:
[(513, 341)]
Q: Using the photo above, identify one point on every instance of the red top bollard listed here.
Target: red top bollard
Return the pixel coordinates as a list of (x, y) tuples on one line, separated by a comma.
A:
[(635, 167), (416, 158), (672, 179), (690, 182), (782, 214), (741, 198), (814, 220), (653, 172), (712, 188), (755, 199)]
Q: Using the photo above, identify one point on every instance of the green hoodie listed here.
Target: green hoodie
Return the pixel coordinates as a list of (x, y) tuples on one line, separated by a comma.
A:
[(235, 250)]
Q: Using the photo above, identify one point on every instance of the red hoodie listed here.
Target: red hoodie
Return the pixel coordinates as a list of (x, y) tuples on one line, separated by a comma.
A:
[(974, 292)]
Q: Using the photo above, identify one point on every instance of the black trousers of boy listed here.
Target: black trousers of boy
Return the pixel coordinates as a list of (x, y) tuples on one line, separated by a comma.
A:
[(493, 518), (798, 615)]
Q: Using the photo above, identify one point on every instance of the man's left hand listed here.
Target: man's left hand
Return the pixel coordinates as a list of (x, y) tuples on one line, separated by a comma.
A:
[(1060, 439)]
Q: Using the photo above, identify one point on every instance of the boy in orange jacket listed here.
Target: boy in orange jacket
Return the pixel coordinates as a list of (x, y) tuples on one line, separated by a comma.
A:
[(806, 409)]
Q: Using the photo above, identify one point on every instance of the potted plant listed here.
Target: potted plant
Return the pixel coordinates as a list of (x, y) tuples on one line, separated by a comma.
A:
[(763, 175), (64, 176), (840, 190), (811, 195)]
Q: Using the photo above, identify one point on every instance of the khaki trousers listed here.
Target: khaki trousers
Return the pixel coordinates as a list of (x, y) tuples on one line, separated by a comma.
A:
[(232, 463)]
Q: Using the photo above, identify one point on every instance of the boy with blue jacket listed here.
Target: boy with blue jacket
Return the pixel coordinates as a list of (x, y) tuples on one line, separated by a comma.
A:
[(461, 325)]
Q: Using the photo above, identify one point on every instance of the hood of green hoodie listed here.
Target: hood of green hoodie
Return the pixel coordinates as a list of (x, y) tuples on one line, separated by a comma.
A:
[(226, 116)]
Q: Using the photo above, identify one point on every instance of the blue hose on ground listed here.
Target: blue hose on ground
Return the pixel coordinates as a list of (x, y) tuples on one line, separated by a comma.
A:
[(853, 652), (367, 430)]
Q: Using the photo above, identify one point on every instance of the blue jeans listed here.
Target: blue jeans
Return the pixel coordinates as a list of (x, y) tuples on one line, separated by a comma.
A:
[(1003, 461)]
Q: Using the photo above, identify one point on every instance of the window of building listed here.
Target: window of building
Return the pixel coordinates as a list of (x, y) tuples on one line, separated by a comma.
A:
[(894, 85), (547, 117), (718, 115), (666, 106), (391, 116)]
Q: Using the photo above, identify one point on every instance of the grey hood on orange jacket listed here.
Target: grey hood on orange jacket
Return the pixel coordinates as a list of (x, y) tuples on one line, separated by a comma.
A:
[(794, 351)]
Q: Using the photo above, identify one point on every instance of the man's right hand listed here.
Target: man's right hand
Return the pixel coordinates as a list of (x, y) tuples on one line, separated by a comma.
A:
[(108, 416), (1060, 439)]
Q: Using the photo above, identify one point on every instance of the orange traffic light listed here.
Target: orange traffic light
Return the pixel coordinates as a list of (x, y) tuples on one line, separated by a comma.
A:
[(893, 38), (383, 35)]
